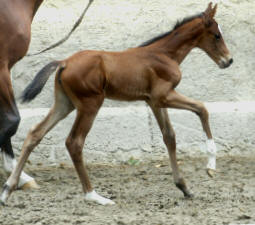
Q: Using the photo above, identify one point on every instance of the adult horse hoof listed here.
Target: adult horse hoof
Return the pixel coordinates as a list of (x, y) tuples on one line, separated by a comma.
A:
[(30, 185), (210, 172)]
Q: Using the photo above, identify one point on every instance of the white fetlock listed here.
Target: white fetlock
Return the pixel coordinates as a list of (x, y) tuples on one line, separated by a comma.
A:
[(211, 164), (93, 196), (10, 164), (211, 151), (27, 182)]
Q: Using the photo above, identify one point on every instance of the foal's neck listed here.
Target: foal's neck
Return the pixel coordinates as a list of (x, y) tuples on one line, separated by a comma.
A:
[(182, 40)]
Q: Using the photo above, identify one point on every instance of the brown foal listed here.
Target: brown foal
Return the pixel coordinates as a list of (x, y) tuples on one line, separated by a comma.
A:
[(149, 73)]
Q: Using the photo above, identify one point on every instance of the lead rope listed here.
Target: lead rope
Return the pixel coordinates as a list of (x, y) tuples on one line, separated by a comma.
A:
[(78, 22)]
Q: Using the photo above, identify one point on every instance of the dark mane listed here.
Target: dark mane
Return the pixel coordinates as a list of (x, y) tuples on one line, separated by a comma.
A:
[(177, 25)]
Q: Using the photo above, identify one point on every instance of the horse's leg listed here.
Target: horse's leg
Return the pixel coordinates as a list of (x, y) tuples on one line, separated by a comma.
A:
[(9, 121), (60, 110), (9, 114), (170, 142), (75, 143), (176, 100), (25, 180)]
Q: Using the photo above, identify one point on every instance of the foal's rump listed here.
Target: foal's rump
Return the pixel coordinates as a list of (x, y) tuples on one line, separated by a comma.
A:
[(82, 74)]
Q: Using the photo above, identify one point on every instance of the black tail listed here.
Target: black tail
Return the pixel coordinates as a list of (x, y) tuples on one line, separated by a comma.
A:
[(37, 84)]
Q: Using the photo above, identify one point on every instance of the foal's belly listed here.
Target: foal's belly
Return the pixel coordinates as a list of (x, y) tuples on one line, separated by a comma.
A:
[(127, 94), (127, 90)]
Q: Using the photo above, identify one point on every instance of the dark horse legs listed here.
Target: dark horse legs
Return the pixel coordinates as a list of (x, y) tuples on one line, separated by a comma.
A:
[(9, 122), (9, 115)]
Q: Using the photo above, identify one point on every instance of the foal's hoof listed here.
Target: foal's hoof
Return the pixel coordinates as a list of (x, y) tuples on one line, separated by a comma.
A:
[(30, 185), (4, 195), (188, 195), (94, 197), (210, 172), (2, 203)]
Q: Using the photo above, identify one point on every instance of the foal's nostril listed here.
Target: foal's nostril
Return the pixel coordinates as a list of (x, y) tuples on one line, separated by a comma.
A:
[(231, 61)]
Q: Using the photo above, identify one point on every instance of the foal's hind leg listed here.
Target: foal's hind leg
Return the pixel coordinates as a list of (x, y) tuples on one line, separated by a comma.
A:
[(170, 142), (75, 143), (176, 100), (60, 110)]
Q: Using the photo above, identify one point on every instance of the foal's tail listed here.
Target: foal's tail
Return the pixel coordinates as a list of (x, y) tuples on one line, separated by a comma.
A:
[(39, 81)]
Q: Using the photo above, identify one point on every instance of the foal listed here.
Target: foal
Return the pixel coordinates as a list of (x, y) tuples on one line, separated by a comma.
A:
[(149, 72)]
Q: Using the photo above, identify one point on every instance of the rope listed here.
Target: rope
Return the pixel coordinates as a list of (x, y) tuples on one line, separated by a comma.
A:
[(68, 35)]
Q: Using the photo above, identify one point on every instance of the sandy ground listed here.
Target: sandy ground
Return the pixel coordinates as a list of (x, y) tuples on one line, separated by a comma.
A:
[(144, 194)]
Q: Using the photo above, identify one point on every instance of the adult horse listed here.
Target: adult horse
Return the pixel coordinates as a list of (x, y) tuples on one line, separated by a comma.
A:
[(15, 30), (149, 73)]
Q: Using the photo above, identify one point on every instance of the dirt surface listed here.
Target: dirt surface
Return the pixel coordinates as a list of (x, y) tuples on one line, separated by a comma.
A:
[(144, 194)]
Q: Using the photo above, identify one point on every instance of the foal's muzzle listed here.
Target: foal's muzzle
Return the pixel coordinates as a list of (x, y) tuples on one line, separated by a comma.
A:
[(224, 63)]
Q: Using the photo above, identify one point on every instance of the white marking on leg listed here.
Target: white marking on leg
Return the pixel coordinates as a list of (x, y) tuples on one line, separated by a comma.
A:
[(93, 196), (24, 178), (9, 165), (9, 162), (211, 152)]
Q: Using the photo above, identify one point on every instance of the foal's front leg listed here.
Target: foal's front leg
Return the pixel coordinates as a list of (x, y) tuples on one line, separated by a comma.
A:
[(170, 142), (178, 101)]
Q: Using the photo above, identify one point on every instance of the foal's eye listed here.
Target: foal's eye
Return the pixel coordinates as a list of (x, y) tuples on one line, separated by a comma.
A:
[(217, 36)]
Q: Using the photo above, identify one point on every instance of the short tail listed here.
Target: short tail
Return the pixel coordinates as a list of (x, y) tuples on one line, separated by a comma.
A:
[(37, 84)]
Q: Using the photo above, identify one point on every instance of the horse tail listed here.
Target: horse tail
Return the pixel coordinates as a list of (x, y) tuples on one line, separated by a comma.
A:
[(39, 81)]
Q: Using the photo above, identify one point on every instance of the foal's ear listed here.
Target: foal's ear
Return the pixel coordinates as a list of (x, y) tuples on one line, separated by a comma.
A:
[(213, 12), (210, 12), (209, 8)]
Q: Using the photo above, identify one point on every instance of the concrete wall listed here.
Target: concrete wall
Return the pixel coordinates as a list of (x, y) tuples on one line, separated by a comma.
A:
[(117, 25)]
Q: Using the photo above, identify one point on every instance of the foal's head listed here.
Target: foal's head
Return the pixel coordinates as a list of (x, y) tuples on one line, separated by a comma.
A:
[(212, 41)]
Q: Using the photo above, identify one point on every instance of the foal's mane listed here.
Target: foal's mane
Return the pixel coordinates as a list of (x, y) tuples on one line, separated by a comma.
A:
[(177, 25)]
